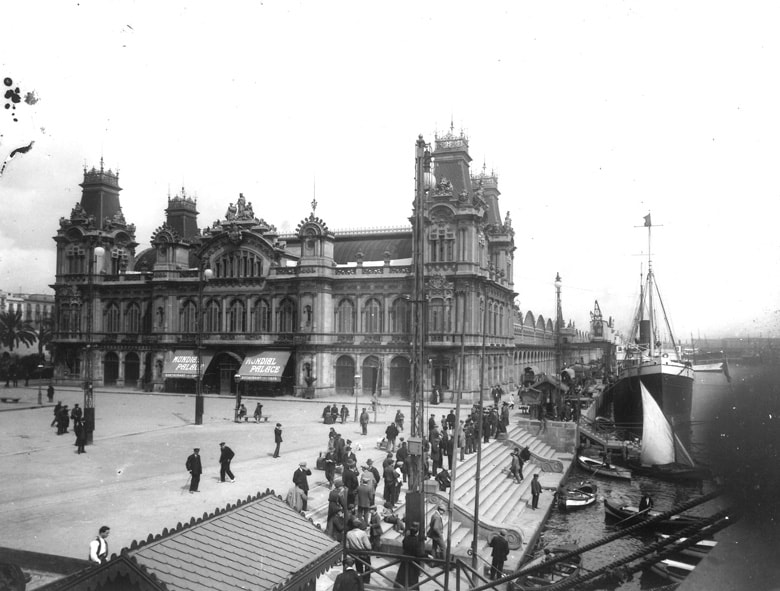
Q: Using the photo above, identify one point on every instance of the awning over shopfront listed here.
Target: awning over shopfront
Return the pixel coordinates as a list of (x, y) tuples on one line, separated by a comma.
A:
[(184, 364), (264, 366)]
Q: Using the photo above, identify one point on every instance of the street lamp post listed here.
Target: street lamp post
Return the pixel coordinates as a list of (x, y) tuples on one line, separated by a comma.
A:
[(236, 418), (89, 393), (204, 274), (357, 379), (40, 394)]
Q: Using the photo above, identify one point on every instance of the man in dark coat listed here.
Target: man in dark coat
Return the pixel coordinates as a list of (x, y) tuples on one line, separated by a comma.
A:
[(536, 489), (225, 455), (76, 413), (277, 438), (195, 469), (414, 549), (391, 433), (436, 532), (500, 552), (81, 436), (301, 480), (364, 418), (57, 409), (402, 455), (344, 413), (349, 580)]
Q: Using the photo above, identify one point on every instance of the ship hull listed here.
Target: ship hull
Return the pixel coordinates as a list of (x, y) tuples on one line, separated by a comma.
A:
[(670, 383)]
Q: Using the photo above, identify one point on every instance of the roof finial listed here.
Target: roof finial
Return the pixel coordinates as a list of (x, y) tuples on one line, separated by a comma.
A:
[(314, 197), (452, 123), (101, 163), (484, 166)]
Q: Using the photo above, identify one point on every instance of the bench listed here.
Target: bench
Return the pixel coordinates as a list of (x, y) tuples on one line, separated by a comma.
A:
[(6, 399), (263, 418)]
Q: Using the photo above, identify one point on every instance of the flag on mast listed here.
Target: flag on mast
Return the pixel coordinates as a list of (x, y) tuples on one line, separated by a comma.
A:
[(647, 221)]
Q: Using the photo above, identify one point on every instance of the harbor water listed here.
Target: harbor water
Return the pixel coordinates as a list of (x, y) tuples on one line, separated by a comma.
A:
[(728, 421)]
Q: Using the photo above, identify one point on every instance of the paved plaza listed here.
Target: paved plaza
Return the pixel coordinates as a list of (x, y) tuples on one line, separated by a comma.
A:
[(133, 477)]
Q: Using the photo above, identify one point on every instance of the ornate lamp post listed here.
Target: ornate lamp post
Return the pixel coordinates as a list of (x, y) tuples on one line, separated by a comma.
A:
[(89, 394), (204, 274), (357, 380)]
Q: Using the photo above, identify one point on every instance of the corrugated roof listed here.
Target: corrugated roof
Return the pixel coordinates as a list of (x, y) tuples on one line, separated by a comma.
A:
[(258, 545)]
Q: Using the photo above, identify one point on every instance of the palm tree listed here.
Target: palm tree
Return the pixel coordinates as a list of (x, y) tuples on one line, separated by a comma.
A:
[(14, 330), (44, 334)]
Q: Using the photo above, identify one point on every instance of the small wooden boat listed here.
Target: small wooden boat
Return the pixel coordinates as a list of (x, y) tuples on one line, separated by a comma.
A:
[(630, 515), (582, 495), (599, 468), (554, 574), (695, 551), (673, 571)]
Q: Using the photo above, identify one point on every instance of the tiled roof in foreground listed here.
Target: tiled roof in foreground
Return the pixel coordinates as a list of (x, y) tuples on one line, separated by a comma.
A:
[(260, 543)]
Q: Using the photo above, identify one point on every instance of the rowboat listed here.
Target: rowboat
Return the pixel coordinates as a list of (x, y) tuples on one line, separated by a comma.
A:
[(582, 495), (552, 575), (673, 571), (630, 515), (695, 551), (600, 468)]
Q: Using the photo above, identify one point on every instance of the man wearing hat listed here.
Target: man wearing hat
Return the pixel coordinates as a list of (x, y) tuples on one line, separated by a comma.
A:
[(436, 532), (195, 469), (277, 438), (500, 552), (414, 549), (225, 455), (301, 480)]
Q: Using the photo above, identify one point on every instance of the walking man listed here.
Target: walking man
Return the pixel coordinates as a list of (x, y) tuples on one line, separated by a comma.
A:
[(536, 489), (81, 436), (500, 552), (301, 480), (364, 418), (98, 548), (277, 438), (258, 412), (195, 469), (225, 455), (436, 532)]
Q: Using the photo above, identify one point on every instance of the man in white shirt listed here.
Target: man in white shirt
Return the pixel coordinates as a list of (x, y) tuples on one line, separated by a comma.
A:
[(98, 548), (357, 539)]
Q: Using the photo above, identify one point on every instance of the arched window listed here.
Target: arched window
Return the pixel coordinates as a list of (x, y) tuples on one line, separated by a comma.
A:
[(74, 259), (286, 316), (236, 317), (439, 316), (133, 319), (111, 319), (261, 316), (400, 319), (213, 319), (70, 319), (345, 374), (188, 318), (372, 317), (345, 317), (240, 263), (442, 244)]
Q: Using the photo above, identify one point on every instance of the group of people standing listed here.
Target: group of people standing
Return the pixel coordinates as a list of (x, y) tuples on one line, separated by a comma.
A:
[(332, 413), (62, 418)]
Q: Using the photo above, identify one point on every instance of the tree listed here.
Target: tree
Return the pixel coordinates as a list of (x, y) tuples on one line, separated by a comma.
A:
[(14, 330), (44, 334)]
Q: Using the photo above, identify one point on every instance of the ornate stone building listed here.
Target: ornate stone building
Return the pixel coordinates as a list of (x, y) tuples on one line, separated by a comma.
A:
[(317, 306)]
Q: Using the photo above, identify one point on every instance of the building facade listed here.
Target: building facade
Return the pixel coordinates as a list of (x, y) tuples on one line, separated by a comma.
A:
[(315, 310)]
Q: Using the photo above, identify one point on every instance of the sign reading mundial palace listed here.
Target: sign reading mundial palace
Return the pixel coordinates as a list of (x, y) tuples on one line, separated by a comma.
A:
[(266, 366)]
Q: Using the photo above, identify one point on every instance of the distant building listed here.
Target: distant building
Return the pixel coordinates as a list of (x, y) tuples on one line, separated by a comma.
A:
[(316, 306), (36, 309)]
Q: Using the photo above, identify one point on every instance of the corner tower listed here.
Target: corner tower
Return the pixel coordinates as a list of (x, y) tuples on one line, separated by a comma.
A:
[(100, 195), (182, 215)]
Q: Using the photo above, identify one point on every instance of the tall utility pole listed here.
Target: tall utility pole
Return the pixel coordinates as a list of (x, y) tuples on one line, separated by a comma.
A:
[(89, 393), (558, 326), (475, 537), (415, 502), (204, 274)]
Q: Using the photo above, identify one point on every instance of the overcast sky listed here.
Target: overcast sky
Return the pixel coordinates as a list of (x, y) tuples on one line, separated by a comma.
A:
[(592, 114)]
